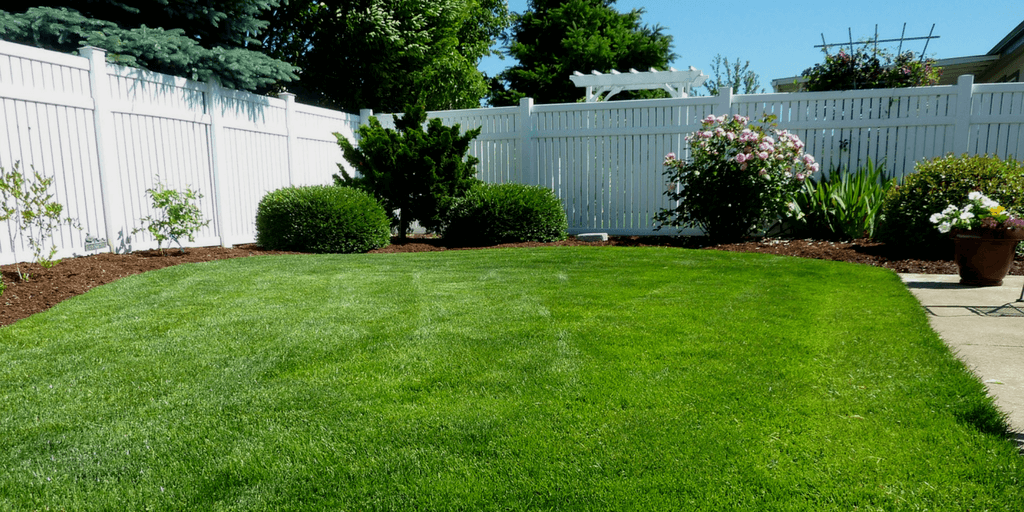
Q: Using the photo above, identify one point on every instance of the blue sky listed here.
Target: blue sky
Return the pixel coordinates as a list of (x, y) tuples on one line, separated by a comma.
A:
[(778, 37)]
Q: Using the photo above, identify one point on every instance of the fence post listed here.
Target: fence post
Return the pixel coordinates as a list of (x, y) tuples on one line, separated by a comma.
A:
[(364, 117), (962, 128), (289, 123), (103, 120), (529, 173), (214, 100), (725, 99)]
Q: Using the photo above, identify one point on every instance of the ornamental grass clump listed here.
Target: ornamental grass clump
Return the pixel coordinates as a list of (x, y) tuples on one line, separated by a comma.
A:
[(980, 212), (740, 180), (843, 205)]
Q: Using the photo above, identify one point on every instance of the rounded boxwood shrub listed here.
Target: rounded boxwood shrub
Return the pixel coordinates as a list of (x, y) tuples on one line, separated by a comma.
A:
[(505, 213), (936, 184), (321, 219)]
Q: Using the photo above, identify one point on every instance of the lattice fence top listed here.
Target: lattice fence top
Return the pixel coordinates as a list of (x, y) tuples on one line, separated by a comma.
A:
[(679, 84)]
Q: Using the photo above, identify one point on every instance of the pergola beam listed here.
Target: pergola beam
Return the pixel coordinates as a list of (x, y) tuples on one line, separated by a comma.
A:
[(679, 84)]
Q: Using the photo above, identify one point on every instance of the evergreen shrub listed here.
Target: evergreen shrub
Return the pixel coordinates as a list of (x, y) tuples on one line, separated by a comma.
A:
[(321, 219), (936, 184), (506, 213), (413, 172)]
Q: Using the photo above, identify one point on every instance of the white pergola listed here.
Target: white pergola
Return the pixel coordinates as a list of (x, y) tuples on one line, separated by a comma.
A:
[(679, 84)]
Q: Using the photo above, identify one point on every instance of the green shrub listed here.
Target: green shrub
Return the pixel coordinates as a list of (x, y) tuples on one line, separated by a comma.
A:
[(866, 68), (739, 180), (321, 219), (26, 200), (507, 213), (936, 184), (842, 205), (177, 215)]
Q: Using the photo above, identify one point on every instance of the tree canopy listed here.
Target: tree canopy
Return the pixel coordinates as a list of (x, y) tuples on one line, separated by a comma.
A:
[(197, 39), (554, 38), (384, 54)]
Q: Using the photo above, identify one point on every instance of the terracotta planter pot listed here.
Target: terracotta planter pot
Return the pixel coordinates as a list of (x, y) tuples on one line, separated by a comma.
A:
[(984, 256)]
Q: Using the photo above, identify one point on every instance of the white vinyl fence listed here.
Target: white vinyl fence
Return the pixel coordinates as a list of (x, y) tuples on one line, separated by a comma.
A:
[(106, 132), (604, 160)]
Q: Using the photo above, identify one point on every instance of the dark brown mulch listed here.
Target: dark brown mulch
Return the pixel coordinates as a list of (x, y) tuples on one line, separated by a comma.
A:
[(74, 276)]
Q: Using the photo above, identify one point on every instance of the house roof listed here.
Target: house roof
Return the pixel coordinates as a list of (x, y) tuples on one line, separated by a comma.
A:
[(1011, 42)]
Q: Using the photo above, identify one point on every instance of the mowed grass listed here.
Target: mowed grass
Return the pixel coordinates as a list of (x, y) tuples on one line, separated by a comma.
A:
[(567, 378)]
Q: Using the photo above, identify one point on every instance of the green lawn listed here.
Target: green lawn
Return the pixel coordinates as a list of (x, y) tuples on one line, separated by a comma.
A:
[(566, 378)]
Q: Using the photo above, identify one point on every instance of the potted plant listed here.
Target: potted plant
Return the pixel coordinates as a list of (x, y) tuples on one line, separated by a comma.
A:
[(985, 237)]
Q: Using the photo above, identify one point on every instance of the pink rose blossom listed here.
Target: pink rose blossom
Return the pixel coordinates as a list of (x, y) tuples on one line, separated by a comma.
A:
[(741, 158)]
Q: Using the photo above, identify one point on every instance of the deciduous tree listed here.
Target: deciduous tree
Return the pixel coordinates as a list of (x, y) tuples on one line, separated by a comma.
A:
[(735, 74), (554, 38), (384, 54)]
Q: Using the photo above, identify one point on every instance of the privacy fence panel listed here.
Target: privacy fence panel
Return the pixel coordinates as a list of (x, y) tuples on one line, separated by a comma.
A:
[(997, 120), (161, 132), (604, 160), (317, 151), (897, 127), (498, 145), (46, 126)]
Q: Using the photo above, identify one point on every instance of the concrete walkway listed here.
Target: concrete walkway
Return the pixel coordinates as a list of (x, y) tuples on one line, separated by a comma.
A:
[(984, 326)]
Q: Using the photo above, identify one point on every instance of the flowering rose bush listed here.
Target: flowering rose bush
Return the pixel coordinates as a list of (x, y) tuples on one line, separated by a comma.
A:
[(979, 212), (871, 69), (741, 178)]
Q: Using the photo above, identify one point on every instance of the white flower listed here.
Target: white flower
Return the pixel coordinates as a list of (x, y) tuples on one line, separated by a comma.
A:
[(936, 218), (945, 227), (966, 215), (975, 196)]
